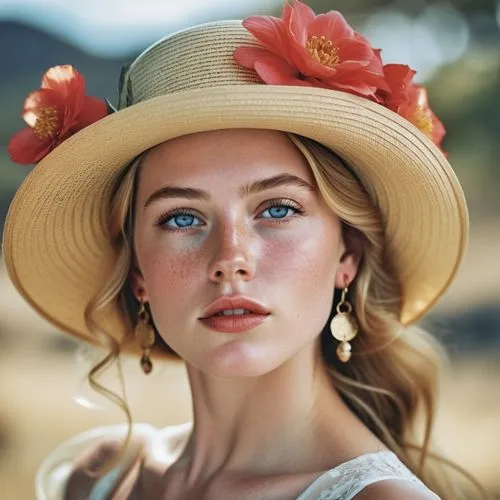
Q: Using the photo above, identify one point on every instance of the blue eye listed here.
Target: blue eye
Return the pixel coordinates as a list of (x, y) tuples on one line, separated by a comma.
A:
[(181, 220), (282, 208), (278, 212)]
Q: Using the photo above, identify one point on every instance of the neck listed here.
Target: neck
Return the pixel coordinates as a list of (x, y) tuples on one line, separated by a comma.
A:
[(279, 422)]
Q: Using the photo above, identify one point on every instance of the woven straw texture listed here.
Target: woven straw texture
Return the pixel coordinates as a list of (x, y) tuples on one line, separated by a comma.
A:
[(56, 247)]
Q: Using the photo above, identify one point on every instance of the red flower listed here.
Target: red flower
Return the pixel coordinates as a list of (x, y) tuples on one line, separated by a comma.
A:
[(410, 101), (308, 50), (54, 113), (399, 79)]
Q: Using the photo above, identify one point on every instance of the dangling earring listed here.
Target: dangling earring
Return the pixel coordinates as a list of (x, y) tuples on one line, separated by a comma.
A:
[(344, 327), (145, 334)]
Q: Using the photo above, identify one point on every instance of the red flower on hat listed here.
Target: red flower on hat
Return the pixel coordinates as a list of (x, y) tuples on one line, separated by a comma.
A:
[(54, 113), (308, 50), (410, 101)]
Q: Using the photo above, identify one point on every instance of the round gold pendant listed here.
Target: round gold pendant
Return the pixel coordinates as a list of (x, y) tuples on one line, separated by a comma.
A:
[(343, 327)]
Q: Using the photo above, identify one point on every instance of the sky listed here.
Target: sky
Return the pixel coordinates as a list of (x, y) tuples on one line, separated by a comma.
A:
[(439, 34), (113, 28)]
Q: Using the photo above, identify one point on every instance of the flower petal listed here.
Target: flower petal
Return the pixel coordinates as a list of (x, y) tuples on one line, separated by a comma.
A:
[(354, 57), (275, 71), (301, 58), (354, 51), (363, 39), (93, 109), (356, 86), (40, 99), (246, 56), (26, 148), (438, 130), (71, 84), (398, 78), (415, 96), (376, 81), (64, 78), (296, 19), (332, 26), (375, 66), (270, 31)]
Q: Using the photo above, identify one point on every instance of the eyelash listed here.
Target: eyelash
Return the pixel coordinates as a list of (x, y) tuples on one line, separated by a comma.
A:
[(281, 202)]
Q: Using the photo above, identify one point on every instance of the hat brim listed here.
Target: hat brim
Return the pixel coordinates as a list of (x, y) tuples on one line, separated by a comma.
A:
[(56, 246)]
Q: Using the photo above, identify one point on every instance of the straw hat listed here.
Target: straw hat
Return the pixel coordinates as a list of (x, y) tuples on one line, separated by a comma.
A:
[(56, 246)]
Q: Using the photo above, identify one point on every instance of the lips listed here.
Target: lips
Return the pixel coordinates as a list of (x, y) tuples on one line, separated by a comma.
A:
[(234, 302)]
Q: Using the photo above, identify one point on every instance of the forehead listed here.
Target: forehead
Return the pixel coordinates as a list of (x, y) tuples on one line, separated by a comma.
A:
[(224, 156)]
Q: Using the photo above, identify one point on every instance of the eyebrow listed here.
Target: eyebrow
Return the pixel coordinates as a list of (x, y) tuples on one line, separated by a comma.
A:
[(248, 189)]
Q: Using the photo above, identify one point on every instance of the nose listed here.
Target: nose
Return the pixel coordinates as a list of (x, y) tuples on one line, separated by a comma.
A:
[(233, 258)]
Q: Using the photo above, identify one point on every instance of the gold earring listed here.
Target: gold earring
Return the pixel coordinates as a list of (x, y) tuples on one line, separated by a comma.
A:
[(344, 327), (145, 334)]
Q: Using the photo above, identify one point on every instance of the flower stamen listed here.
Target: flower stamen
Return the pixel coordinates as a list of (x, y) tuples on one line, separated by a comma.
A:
[(47, 123), (324, 51), (422, 119)]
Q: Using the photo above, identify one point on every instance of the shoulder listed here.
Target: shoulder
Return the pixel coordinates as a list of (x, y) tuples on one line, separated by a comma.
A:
[(67, 473), (83, 479), (372, 476), (395, 489)]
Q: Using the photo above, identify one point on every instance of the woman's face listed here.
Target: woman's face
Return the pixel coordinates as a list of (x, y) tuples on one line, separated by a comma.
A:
[(235, 213)]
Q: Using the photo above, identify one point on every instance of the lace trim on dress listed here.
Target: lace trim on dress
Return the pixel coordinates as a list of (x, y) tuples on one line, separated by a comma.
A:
[(349, 478)]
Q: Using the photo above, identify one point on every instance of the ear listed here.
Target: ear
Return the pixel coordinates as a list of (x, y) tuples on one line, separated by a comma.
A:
[(138, 284), (346, 272), (352, 253)]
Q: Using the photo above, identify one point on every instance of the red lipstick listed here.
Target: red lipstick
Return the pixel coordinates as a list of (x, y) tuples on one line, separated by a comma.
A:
[(254, 314)]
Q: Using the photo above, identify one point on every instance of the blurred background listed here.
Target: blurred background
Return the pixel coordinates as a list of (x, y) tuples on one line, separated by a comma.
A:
[(455, 47)]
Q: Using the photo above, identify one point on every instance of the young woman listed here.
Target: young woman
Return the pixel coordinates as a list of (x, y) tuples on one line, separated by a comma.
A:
[(270, 204)]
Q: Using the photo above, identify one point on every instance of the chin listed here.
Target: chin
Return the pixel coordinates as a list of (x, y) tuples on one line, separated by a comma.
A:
[(241, 359)]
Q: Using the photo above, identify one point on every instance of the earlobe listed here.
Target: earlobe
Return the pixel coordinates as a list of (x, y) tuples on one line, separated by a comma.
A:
[(138, 285), (352, 252), (347, 270)]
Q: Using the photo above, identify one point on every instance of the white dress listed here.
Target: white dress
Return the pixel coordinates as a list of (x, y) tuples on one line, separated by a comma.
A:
[(340, 483)]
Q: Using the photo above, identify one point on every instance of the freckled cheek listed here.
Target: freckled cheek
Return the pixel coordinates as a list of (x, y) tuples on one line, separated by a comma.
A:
[(168, 268), (308, 257)]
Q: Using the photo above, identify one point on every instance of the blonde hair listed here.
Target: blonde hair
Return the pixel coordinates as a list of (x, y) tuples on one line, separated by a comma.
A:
[(391, 381)]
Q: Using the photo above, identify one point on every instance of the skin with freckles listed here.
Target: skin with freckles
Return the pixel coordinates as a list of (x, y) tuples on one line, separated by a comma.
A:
[(236, 244), (237, 212)]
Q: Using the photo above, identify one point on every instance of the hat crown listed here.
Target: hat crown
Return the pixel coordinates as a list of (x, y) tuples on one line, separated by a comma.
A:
[(194, 58)]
